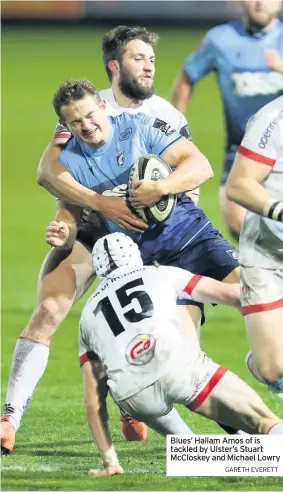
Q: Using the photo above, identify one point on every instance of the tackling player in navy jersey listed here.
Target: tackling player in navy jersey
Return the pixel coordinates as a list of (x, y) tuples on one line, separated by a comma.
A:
[(246, 57)]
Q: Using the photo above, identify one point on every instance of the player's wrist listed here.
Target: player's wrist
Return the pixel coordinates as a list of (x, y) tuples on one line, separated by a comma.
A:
[(162, 187), (96, 202), (109, 457), (273, 209)]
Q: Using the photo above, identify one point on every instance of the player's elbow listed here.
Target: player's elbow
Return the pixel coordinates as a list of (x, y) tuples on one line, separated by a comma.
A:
[(233, 190), (207, 170), (41, 178)]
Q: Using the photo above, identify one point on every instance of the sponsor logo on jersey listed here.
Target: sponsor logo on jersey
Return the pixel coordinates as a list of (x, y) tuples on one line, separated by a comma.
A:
[(126, 134), (233, 253), (121, 158), (204, 379), (163, 127), (268, 131), (140, 350), (146, 119), (257, 83)]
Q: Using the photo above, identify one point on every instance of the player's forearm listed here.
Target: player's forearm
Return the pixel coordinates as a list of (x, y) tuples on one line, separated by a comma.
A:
[(209, 290), (182, 92), (95, 392), (191, 173), (248, 193), (97, 419)]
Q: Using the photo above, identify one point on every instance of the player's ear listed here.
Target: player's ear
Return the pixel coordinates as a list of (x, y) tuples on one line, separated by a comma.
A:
[(114, 66), (102, 104)]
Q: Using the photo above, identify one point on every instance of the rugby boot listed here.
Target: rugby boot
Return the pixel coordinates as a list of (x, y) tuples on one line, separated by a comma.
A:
[(133, 430), (8, 436)]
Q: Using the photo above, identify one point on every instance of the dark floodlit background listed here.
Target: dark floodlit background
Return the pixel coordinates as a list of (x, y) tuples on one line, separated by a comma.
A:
[(44, 43)]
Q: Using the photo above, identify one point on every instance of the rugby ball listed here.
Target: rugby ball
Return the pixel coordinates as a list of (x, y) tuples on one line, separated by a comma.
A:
[(153, 167)]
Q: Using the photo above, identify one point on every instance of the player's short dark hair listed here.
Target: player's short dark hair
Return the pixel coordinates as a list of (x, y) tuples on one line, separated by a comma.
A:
[(72, 90), (115, 41)]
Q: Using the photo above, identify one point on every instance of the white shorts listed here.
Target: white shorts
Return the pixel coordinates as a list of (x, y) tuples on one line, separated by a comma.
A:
[(261, 289), (189, 385)]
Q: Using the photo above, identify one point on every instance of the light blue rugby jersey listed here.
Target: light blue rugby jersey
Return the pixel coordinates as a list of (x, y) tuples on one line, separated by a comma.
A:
[(107, 169), (245, 81)]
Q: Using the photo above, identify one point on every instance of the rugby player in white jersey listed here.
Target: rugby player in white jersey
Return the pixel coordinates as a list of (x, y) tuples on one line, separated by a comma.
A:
[(66, 275), (131, 341), (256, 183)]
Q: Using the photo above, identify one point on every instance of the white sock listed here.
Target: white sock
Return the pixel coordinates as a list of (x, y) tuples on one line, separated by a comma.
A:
[(276, 429), (171, 423), (28, 365)]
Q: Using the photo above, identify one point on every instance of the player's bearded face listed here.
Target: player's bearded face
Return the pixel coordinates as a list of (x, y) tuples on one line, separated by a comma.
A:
[(136, 77), (261, 12), (87, 120)]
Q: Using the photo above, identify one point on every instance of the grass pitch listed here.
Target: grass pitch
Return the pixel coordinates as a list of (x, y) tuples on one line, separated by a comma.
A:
[(54, 450)]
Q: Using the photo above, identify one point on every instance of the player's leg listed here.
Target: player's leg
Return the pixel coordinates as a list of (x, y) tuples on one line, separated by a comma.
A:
[(266, 360), (226, 398), (262, 307), (63, 279)]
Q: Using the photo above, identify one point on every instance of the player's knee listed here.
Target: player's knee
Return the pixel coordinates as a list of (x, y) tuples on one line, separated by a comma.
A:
[(54, 310), (47, 317)]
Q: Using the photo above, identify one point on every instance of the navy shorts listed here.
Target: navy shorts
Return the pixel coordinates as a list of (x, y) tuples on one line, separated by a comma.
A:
[(210, 255)]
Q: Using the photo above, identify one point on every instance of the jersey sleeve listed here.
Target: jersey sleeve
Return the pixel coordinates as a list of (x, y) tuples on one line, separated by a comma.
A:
[(262, 139), (201, 61), (157, 134), (184, 282), (61, 133)]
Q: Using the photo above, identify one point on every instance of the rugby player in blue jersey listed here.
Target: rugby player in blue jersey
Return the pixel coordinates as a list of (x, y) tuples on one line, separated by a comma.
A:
[(246, 57)]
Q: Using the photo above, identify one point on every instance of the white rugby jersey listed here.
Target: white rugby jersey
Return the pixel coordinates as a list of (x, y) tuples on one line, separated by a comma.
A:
[(130, 323), (155, 106), (263, 142)]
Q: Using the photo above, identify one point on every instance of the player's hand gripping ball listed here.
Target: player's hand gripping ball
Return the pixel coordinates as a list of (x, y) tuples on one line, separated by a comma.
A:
[(153, 167)]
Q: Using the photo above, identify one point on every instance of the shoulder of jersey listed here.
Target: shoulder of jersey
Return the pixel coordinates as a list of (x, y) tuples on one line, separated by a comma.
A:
[(271, 109), (106, 94), (161, 103), (271, 112), (216, 32)]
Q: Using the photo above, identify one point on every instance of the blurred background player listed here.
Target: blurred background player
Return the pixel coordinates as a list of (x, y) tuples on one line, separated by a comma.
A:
[(246, 57), (256, 183), (148, 362)]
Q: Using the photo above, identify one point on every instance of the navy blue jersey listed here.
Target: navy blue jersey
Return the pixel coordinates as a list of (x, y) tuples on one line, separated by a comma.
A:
[(106, 170), (245, 81)]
